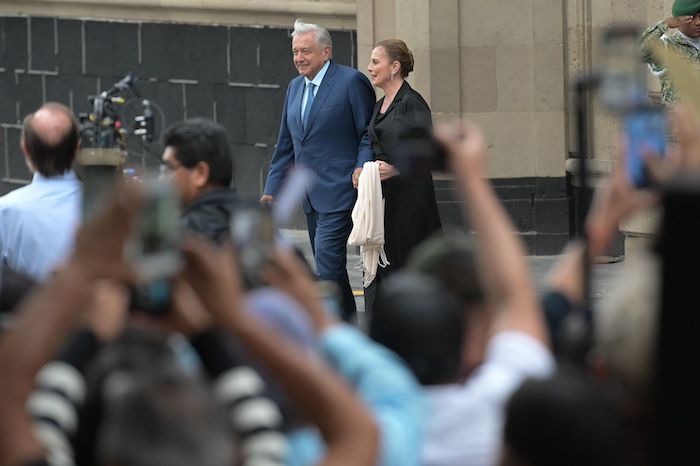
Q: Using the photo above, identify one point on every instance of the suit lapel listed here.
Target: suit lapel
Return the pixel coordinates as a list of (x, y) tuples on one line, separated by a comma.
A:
[(323, 91)]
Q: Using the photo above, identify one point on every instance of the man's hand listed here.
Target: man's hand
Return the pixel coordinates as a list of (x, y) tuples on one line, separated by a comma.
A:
[(616, 200), (683, 156), (356, 177), (267, 199), (99, 243), (188, 316), (676, 21), (286, 273), (386, 171), (466, 143)]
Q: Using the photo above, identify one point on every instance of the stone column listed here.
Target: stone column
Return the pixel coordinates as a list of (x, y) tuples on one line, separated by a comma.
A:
[(586, 21)]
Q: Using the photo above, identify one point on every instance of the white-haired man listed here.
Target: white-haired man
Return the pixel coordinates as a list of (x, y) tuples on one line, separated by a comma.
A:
[(324, 127)]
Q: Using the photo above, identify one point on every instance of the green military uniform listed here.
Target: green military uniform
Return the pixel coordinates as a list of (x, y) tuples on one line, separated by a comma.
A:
[(671, 38)]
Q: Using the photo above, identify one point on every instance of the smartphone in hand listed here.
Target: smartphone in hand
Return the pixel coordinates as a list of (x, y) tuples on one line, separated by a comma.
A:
[(154, 246), (646, 136)]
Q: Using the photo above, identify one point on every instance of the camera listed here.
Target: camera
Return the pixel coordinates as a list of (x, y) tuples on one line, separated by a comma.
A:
[(645, 133), (104, 134), (417, 152), (253, 233), (154, 246), (623, 90)]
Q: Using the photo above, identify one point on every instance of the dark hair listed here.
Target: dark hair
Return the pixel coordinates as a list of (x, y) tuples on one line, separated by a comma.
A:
[(567, 419), (397, 50), (143, 409), (417, 319), (56, 158), (202, 140), (450, 259)]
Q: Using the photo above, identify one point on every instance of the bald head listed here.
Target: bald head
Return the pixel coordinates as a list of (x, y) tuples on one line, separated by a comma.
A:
[(50, 139)]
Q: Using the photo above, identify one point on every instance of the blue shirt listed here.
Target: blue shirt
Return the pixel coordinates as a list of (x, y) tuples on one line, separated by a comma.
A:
[(317, 82), (387, 388), (37, 223)]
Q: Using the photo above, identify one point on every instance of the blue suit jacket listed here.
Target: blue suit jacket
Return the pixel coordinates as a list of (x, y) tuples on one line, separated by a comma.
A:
[(335, 141)]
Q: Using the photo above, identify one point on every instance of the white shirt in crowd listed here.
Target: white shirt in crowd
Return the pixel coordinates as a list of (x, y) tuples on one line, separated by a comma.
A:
[(37, 224), (466, 420)]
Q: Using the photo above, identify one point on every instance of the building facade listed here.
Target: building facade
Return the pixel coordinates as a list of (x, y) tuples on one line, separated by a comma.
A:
[(507, 64)]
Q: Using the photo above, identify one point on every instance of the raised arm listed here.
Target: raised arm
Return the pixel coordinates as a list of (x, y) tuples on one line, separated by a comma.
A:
[(347, 427), (383, 382), (500, 254), (656, 33), (44, 321)]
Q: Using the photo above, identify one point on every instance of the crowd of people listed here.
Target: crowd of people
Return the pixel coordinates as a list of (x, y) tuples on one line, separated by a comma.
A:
[(461, 362)]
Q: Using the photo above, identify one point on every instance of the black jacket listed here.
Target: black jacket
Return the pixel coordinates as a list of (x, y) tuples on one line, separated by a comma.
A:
[(210, 214)]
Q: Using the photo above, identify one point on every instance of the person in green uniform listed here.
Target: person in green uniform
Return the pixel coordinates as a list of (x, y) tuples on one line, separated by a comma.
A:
[(681, 31)]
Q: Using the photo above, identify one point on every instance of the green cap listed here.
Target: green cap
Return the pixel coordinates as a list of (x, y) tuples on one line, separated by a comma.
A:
[(685, 7)]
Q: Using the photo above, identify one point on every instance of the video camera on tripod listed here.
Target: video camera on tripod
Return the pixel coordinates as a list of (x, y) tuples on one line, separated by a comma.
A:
[(105, 128), (105, 133)]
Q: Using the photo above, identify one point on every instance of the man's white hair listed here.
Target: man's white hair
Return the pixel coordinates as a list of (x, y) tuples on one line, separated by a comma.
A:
[(323, 38)]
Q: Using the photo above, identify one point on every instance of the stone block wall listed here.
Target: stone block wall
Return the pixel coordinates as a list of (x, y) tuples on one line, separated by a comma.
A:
[(236, 75)]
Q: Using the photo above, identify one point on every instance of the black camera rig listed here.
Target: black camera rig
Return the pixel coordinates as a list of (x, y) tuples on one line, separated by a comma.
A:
[(107, 125)]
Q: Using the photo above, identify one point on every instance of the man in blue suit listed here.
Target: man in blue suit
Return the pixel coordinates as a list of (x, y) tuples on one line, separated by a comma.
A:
[(324, 127)]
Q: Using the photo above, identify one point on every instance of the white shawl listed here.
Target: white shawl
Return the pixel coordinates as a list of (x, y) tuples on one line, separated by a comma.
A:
[(368, 222)]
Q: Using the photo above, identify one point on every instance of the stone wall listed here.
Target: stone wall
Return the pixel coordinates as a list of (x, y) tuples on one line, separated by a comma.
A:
[(235, 75), (500, 64)]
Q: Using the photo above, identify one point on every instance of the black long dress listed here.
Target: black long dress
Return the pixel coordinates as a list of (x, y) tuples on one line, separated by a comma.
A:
[(410, 210)]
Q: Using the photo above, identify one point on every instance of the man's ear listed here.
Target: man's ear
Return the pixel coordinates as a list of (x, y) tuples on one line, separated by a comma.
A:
[(27, 157), (200, 174), (23, 147)]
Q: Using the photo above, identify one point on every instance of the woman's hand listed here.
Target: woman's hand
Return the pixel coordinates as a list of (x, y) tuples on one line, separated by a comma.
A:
[(386, 170)]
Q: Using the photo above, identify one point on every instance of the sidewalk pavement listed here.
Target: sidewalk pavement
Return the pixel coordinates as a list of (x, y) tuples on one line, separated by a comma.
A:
[(602, 282)]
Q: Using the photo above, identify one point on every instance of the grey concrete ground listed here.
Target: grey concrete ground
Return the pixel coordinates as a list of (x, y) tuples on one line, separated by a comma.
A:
[(601, 285)]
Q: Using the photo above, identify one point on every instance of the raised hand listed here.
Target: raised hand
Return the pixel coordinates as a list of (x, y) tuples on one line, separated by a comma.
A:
[(286, 273), (678, 21)]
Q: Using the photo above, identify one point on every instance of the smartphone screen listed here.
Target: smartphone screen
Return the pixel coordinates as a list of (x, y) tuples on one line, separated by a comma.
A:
[(154, 247), (645, 132), (253, 234)]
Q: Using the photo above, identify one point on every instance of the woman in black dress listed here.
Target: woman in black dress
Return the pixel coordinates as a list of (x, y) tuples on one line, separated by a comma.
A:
[(410, 214)]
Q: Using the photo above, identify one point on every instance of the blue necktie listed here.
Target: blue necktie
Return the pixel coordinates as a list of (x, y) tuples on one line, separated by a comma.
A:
[(309, 102)]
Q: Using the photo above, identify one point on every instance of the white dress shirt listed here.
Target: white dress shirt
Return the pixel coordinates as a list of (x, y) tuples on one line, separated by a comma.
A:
[(317, 82), (465, 422), (38, 222)]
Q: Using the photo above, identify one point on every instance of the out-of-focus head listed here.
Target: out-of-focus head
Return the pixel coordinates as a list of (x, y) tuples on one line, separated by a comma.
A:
[(50, 139), (450, 259), (566, 420), (197, 156), (688, 8), (390, 59), (163, 418), (416, 318), (626, 325), (312, 47), (150, 412)]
